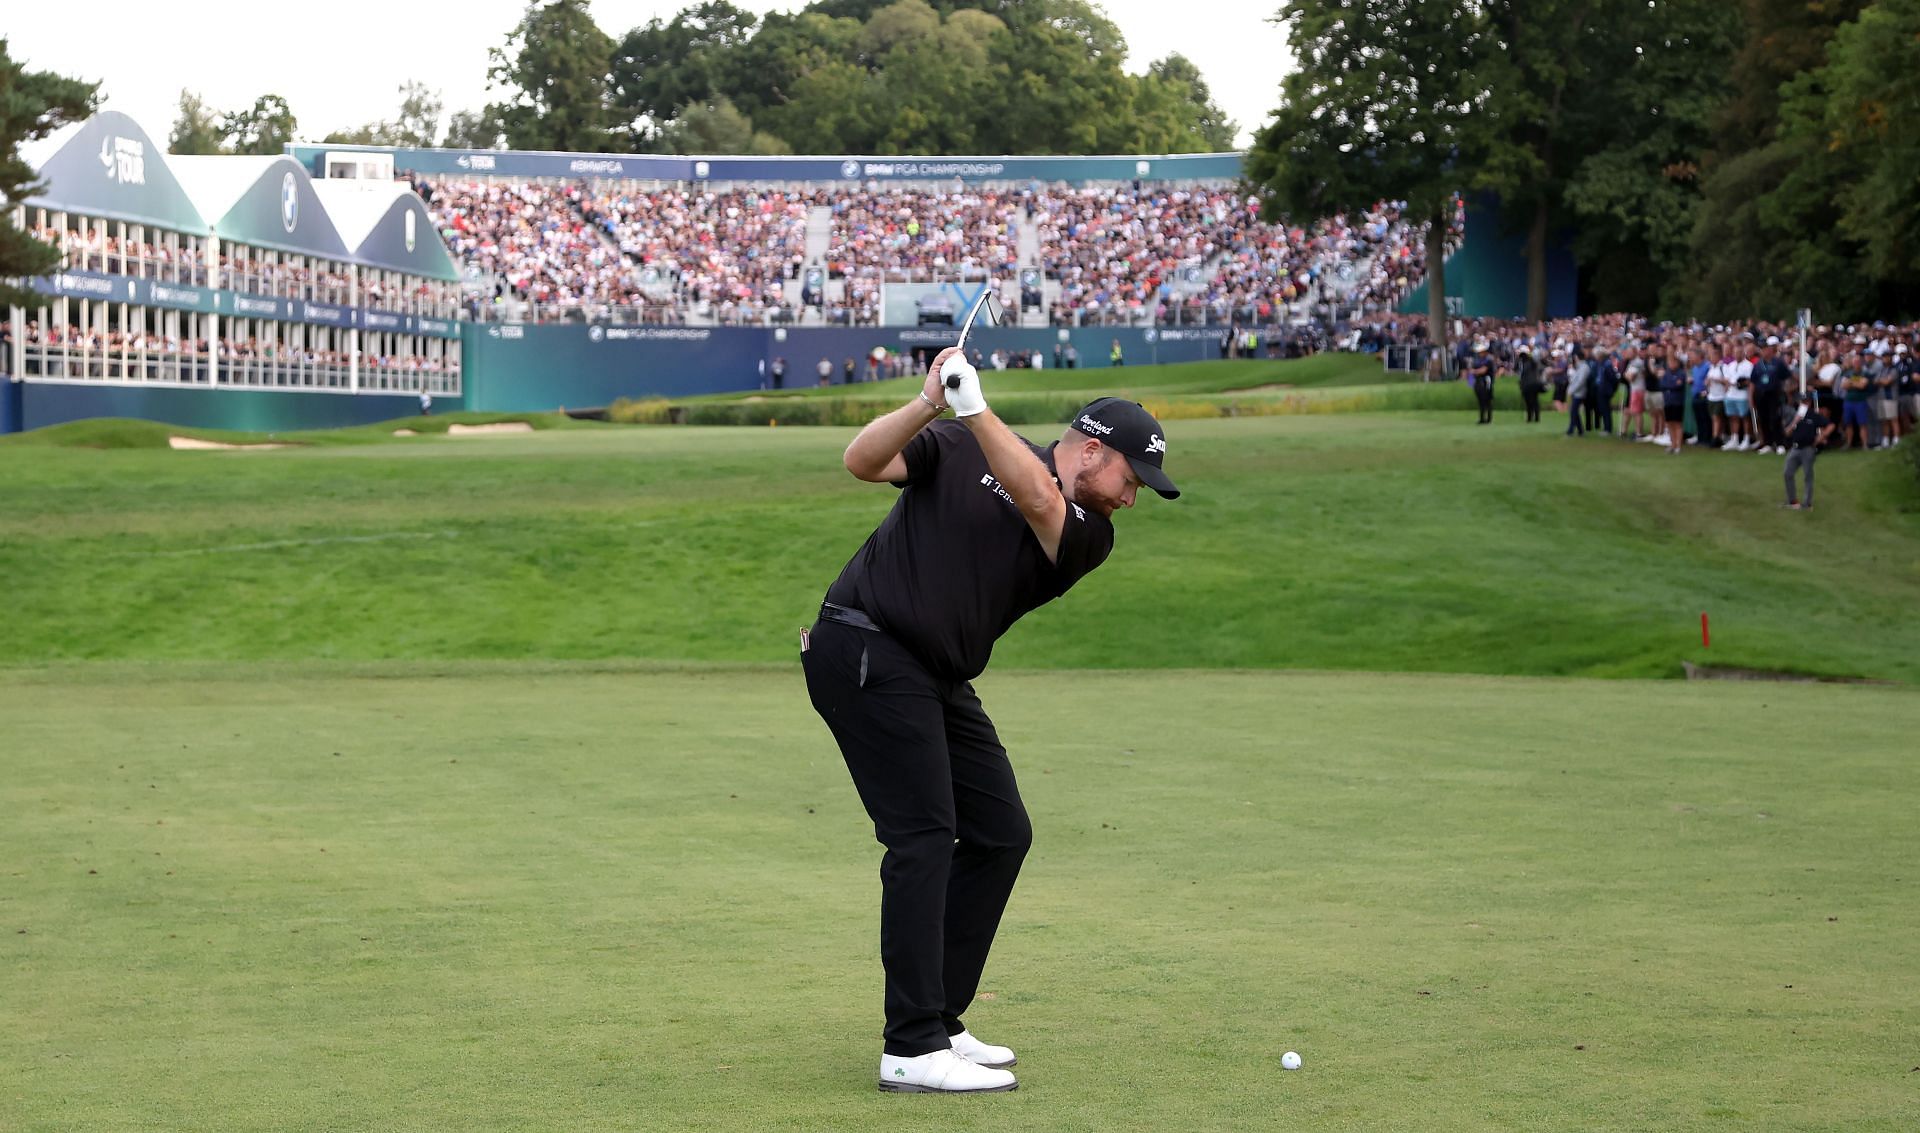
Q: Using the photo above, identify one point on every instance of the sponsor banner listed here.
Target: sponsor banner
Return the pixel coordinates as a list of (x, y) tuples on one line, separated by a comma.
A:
[(179, 296), (183, 297), (483, 163), (856, 168), (321, 313), (649, 334)]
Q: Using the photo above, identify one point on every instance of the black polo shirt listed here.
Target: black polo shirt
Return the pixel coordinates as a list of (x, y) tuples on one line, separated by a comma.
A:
[(955, 564), (1804, 432)]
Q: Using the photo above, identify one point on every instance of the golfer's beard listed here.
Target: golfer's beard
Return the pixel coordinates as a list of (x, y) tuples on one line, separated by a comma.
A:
[(1083, 492)]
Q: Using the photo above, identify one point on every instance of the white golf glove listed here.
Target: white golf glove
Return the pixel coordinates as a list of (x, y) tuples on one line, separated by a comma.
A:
[(963, 387)]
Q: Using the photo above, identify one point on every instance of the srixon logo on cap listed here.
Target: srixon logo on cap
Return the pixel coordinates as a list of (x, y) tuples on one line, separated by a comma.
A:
[(1093, 426), (1155, 444)]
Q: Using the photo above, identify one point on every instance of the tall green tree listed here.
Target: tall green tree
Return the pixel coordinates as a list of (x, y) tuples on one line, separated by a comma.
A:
[(554, 71), (1199, 115), (1386, 101), (1633, 143), (665, 65), (33, 104), (196, 128), (265, 129), (1855, 117), (717, 127), (417, 125), (1765, 240), (471, 129)]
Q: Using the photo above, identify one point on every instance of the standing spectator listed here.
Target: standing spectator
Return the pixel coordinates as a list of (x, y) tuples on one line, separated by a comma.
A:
[(825, 370), (1115, 357), (779, 372), (1578, 374), (1675, 379), (1530, 383), (1480, 367), (1558, 373), (426, 404), (1605, 379), (1856, 418), (1770, 378), (1739, 405), (1073, 357), (1886, 400), (1633, 424), (1805, 434), (1702, 416), (847, 372)]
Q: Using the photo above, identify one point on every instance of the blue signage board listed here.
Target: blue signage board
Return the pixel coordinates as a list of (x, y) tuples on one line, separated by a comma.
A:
[(854, 169), (182, 297)]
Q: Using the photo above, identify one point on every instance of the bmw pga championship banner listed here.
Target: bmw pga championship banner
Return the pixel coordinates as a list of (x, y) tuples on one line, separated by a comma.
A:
[(852, 169)]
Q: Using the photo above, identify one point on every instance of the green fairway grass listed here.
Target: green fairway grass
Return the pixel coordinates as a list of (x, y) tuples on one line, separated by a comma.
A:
[(622, 896), (1413, 542)]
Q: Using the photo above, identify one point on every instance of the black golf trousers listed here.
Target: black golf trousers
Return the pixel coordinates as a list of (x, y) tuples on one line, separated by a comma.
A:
[(940, 790)]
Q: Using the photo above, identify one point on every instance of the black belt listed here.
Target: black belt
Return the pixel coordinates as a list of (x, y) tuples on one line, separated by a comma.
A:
[(847, 616)]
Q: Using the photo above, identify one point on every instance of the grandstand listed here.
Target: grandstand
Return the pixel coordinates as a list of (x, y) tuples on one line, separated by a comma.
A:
[(502, 280)]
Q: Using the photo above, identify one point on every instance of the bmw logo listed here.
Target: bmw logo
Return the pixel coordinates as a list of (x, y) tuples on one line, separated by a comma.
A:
[(1150, 334), (701, 169), (850, 170), (289, 202), (596, 333)]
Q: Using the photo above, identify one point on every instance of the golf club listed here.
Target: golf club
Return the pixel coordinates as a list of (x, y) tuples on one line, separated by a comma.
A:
[(985, 301)]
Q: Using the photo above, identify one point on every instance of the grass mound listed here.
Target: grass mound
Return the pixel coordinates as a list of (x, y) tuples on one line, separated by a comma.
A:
[(1034, 397), (1411, 541)]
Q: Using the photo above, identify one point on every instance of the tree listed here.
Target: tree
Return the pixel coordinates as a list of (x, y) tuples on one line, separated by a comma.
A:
[(1633, 144), (196, 130), (266, 129), (1209, 125), (1385, 102), (1765, 235), (717, 127), (471, 129), (33, 104), (554, 70), (664, 66), (417, 125)]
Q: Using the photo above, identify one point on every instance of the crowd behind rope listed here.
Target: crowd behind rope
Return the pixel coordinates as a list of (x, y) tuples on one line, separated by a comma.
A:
[(1728, 388), (1122, 254)]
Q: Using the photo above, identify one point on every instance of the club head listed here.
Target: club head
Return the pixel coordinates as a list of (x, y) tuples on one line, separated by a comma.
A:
[(986, 309)]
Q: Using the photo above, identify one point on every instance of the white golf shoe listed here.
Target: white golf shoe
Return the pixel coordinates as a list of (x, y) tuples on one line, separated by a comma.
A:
[(982, 1054), (942, 1072)]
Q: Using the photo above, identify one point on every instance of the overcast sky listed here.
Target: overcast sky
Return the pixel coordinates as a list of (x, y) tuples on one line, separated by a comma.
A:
[(340, 64)]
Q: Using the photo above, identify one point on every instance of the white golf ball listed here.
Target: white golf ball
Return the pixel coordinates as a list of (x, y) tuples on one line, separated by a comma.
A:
[(1289, 1061)]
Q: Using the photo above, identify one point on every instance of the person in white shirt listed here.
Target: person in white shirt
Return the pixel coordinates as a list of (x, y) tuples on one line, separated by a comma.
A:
[(1739, 435), (1717, 383)]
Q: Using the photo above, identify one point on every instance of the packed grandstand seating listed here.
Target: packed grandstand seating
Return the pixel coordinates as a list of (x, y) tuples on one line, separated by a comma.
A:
[(1112, 255)]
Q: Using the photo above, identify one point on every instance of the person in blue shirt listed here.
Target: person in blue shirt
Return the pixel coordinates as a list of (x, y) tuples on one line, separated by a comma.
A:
[(1702, 417), (1673, 397)]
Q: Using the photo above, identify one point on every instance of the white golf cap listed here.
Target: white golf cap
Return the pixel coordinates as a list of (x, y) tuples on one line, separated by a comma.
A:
[(1773, 340)]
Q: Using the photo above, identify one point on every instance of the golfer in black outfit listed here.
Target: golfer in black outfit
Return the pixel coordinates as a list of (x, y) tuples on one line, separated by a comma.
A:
[(986, 528)]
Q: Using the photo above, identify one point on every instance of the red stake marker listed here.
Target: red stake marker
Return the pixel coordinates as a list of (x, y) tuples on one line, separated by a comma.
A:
[(1704, 642)]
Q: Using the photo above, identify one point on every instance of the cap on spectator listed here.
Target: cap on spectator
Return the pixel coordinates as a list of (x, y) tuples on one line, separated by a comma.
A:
[(1900, 349), (1773, 340)]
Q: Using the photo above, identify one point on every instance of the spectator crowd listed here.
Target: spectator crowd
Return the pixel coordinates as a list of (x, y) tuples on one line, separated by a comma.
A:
[(1121, 254), (1729, 388)]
